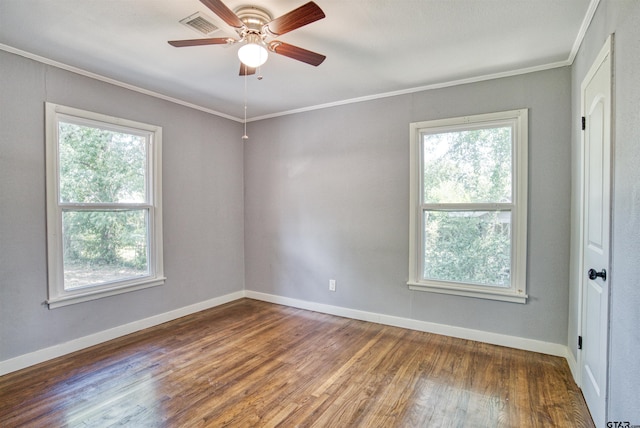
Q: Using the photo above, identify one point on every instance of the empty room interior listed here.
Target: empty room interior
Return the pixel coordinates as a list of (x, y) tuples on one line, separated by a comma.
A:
[(332, 213)]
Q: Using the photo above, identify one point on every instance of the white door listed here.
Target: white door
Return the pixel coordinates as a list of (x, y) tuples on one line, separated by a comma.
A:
[(596, 104)]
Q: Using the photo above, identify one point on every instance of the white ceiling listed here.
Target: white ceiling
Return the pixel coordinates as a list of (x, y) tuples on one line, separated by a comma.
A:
[(373, 47)]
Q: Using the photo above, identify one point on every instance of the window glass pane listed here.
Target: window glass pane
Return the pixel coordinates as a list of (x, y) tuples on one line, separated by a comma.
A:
[(467, 166), (101, 166), (468, 246), (104, 246)]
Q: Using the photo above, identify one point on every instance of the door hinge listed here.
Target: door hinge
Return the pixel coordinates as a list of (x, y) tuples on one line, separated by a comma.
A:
[(584, 123), (579, 342)]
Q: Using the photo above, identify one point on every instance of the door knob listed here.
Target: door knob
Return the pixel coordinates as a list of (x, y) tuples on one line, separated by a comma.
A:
[(593, 274)]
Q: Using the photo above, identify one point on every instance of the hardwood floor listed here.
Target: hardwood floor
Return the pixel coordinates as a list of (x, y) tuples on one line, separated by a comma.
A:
[(255, 364)]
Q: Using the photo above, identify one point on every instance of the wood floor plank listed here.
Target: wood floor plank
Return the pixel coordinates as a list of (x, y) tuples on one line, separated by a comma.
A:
[(255, 364)]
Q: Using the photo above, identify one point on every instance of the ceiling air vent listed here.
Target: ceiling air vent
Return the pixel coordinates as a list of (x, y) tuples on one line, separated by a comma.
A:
[(200, 23)]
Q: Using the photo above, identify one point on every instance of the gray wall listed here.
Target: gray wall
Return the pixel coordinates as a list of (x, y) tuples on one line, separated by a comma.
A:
[(327, 196), (202, 196), (620, 17)]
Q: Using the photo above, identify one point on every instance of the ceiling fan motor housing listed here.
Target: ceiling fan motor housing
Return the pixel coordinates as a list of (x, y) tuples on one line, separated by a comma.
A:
[(255, 20)]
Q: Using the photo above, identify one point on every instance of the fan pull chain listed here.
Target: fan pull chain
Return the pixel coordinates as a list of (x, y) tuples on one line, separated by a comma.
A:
[(245, 136)]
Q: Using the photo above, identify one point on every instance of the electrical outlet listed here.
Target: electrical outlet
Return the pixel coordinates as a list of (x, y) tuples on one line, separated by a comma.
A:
[(332, 285)]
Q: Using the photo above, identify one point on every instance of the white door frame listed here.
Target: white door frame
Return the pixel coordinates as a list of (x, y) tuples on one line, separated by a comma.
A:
[(607, 49)]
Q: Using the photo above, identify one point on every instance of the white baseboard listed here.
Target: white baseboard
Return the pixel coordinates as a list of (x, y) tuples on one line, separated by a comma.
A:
[(533, 345), (573, 366), (55, 351)]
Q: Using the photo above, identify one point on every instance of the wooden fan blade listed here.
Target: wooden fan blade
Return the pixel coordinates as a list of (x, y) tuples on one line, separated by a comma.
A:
[(296, 53), (223, 12), (245, 70), (305, 14), (199, 42)]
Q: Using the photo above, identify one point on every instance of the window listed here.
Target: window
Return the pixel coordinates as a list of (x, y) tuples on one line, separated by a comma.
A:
[(104, 211), (469, 206)]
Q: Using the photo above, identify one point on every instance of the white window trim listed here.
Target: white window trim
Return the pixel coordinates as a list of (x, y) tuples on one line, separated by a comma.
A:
[(517, 292), (57, 295)]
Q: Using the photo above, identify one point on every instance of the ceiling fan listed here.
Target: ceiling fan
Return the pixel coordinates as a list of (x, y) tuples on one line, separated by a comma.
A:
[(254, 26)]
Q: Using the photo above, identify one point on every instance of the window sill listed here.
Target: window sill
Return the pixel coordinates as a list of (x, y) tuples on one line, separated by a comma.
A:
[(500, 295), (78, 296)]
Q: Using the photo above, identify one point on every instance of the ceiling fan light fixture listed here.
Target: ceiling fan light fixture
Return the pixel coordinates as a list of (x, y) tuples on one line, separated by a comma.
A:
[(254, 53), (254, 26)]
